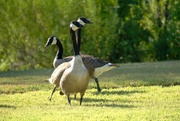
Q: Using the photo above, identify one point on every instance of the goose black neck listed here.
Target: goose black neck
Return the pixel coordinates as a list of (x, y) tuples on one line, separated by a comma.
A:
[(79, 38), (73, 37), (60, 51)]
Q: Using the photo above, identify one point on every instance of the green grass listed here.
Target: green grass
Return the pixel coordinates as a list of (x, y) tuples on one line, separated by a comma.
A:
[(134, 91)]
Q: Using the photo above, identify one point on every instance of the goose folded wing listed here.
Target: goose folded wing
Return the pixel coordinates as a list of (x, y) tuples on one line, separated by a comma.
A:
[(58, 72)]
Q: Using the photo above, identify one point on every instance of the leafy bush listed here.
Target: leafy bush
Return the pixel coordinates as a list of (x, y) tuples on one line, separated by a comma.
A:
[(123, 31)]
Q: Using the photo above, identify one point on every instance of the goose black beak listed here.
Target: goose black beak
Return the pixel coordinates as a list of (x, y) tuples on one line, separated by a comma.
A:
[(89, 22), (47, 44)]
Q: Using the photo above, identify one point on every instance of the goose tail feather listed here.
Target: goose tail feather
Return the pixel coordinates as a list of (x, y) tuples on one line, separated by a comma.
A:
[(106, 67)]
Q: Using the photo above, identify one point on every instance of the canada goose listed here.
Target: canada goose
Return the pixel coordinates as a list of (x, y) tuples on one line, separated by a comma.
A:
[(95, 66), (58, 58), (74, 76), (52, 40)]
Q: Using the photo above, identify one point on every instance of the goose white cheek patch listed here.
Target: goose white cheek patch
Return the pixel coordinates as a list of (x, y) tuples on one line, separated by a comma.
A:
[(54, 41), (74, 28), (81, 22)]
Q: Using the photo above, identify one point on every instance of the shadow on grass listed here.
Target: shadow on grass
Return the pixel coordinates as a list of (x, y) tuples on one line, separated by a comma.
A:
[(114, 92), (110, 105), (107, 103), (7, 106)]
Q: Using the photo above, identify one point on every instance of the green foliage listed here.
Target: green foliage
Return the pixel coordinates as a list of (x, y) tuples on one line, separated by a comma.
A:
[(164, 26), (123, 31), (148, 30)]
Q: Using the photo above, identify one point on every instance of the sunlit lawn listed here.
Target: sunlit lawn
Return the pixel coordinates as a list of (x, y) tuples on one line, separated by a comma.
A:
[(139, 91)]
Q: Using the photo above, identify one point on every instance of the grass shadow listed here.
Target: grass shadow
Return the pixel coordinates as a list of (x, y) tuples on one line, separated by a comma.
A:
[(110, 105), (7, 106), (114, 92), (106, 103)]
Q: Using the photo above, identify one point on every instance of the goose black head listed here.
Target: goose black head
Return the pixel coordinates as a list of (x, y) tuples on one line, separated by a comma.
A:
[(51, 41), (83, 21), (75, 25)]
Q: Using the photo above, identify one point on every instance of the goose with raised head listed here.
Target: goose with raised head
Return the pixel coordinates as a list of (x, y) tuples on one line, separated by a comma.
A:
[(57, 61), (75, 77), (52, 40), (95, 66)]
